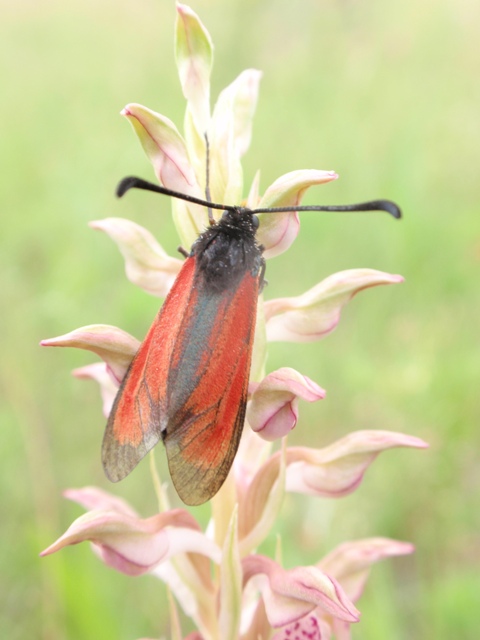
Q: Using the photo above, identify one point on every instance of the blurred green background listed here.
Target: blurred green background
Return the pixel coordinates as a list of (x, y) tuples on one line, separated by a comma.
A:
[(385, 93)]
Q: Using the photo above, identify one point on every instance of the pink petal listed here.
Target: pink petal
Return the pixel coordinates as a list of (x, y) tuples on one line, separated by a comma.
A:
[(289, 595), (278, 230), (146, 263), (316, 313), (230, 594), (273, 412), (350, 563), (114, 346), (169, 155), (226, 183), (135, 546), (337, 470), (229, 135), (165, 148), (253, 197), (260, 503), (188, 585), (251, 454), (194, 57), (93, 498), (341, 629), (242, 94), (100, 374)]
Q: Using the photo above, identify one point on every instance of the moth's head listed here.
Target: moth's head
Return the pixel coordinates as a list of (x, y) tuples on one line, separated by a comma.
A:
[(240, 219)]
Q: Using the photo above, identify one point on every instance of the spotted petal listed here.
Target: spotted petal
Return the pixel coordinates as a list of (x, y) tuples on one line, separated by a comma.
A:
[(310, 627)]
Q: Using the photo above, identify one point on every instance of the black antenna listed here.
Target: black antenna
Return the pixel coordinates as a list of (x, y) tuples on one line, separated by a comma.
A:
[(131, 182), (372, 205)]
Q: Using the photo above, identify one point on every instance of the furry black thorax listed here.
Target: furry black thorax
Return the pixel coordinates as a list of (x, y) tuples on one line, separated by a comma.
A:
[(228, 250)]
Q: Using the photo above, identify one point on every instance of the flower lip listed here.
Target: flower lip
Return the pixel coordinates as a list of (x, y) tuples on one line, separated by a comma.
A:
[(289, 595)]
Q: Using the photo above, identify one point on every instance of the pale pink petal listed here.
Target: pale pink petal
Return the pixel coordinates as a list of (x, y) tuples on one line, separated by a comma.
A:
[(255, 623), (341, 629), (165, 148), (244, 96), (135, 546), (229, 136), (253, 195), (337, 470), (230, 594), (278, 230), (259, 355), (147, 265), (316, 313), (168, 153), (194, 57), (116, 347), (273, 409), (252, 453), (197, 149), (100, 374), (260, 503), (226, 174), (93, 498), (350, 563), (289, 595), (191, 592)]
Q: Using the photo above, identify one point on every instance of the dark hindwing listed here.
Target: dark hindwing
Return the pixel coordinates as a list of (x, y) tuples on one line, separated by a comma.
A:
[(208, 384)]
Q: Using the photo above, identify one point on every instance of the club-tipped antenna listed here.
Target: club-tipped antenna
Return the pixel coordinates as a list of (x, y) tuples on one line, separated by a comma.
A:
[(372, 205), (131, 182)]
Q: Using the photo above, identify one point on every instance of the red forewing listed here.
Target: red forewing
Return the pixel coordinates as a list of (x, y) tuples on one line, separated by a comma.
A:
[(188, 384), (131, 429)]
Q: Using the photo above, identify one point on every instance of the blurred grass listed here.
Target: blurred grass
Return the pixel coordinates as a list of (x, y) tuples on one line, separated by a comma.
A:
[(386, 94)]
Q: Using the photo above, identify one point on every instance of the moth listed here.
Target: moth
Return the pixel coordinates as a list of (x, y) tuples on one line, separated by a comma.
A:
[(188, 383)]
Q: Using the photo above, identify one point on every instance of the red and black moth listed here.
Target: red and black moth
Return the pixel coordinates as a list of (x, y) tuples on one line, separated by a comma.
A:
[(188, 382)]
